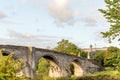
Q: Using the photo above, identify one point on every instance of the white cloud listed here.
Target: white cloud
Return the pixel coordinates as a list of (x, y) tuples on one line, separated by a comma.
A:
[(14, 34), (77, 13), (97, 15), (62, 3), (27, 36), (89, 21), (2, 15), (61, 11), (17, 38), (84, 0), (31, 1)]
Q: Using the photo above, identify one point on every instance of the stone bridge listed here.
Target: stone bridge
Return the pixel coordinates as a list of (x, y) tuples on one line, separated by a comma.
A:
[(59, 62)]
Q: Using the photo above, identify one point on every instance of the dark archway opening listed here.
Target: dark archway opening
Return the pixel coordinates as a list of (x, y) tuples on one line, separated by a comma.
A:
[(71, 67), (5, 53)]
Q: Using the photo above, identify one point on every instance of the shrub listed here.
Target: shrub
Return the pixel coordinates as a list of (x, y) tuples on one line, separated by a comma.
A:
[(9, 67)]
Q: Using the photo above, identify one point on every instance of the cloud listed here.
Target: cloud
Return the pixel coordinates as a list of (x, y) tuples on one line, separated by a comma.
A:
[(30, 1), (2, 15), (84, 1), (9, 22), (97, 15), (18, 35), (103, 42), (14, 34), (89, 21), (24, 39), (61, 11), (22, 1), (99, 37)]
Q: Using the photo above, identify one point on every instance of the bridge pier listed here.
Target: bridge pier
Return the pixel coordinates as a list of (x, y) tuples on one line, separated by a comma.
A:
[(29, 64), (28, 72)]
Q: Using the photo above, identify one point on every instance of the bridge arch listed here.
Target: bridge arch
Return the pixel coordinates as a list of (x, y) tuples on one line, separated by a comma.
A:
[(5, 53), (76, 68), (54, 68), (51, 57)]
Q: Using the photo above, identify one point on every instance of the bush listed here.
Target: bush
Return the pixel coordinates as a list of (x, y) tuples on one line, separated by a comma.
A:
[(9, 67)]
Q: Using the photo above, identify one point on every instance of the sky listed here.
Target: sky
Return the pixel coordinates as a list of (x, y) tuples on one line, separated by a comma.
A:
[(43, 23)]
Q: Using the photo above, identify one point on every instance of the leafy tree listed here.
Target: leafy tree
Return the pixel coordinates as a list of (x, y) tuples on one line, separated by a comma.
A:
[(112, 49), (109, 58), (113, 58), (83, 54), (112, 14), (67, 47), (100, 56)]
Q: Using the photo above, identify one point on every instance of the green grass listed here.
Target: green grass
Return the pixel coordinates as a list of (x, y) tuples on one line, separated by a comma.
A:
[(111, 73), (103, 75)]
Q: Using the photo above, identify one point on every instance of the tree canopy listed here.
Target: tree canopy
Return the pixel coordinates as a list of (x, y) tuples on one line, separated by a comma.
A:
[(113, 57), (112, 49), (99, 55), (67, 47), (112, 14)]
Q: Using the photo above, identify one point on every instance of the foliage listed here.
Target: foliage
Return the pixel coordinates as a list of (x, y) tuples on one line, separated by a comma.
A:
[(100, 56), (112, 49), (83, 54), (113, 57), (9, 67), (112, 14), (67, 47), (109, 58), (42, 69), (1, 54), (113, 60)]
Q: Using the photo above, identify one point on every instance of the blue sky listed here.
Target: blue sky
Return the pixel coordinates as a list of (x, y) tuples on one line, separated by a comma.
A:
[(43, 23)]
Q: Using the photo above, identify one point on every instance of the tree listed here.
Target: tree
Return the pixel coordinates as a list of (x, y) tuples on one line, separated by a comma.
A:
[(112, 49), (83, 54), (110, 57), (67, 47), (100, 56), (113, 60), (113, 57), (112, 14)]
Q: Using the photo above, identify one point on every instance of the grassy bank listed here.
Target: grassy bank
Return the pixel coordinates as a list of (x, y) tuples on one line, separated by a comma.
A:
[(104, 75)]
